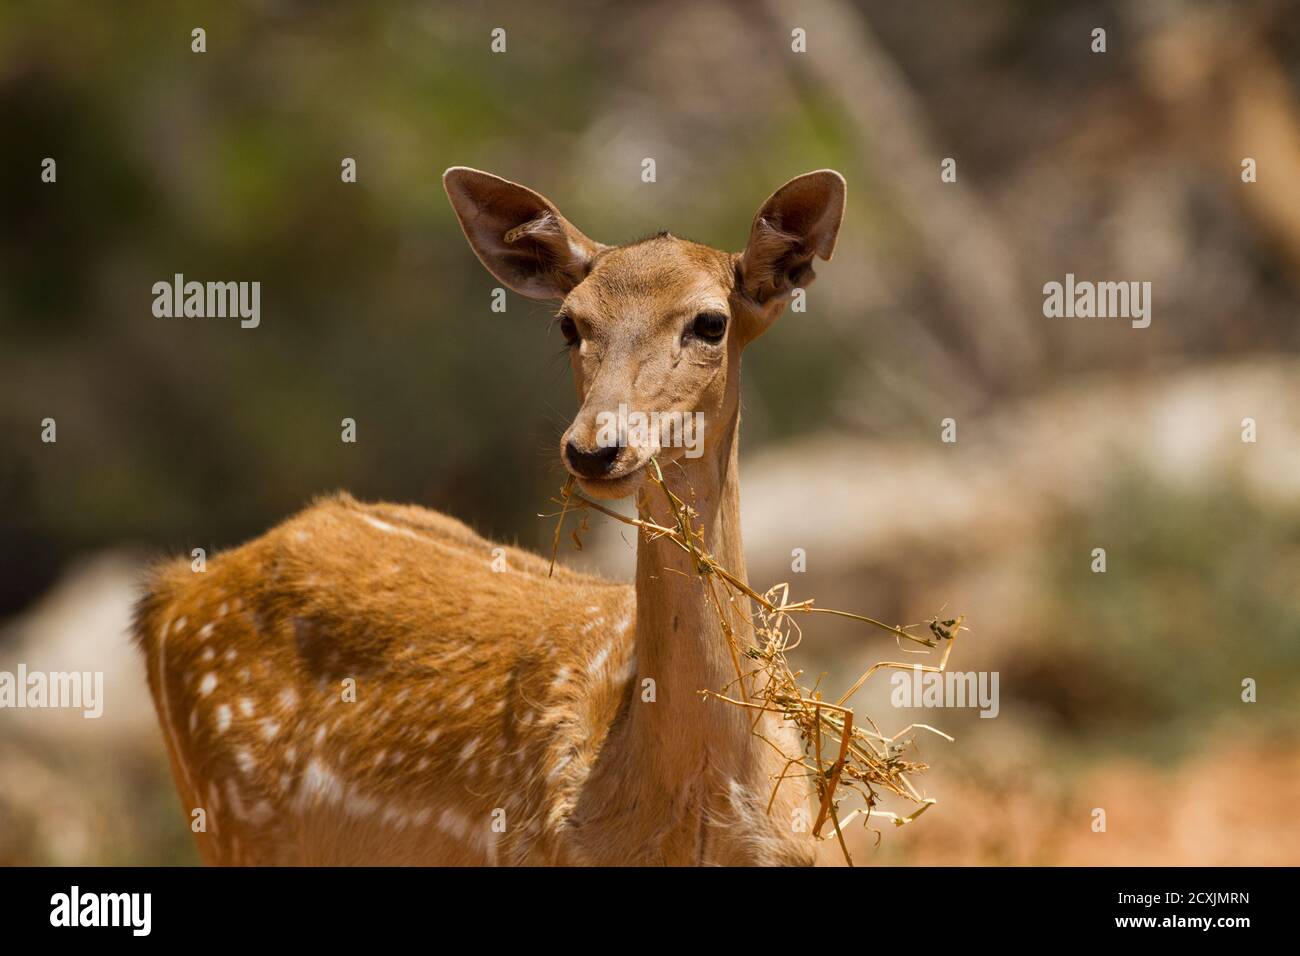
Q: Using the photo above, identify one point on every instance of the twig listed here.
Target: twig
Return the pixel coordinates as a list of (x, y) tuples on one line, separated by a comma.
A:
[(864, 758)]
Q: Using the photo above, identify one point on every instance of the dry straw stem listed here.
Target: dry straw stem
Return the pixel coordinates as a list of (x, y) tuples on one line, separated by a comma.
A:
[(839, 754)]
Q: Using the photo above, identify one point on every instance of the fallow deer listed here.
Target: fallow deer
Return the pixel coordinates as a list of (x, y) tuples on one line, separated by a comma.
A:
[(506, 716)]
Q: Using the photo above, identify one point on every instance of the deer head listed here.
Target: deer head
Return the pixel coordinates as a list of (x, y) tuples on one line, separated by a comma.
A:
[(654, 328)]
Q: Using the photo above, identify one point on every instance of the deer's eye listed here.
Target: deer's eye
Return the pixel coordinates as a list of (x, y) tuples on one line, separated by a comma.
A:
[(710, 326), (569, 329)]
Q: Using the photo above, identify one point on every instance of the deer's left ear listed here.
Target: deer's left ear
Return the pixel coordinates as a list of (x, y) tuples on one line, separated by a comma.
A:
[(800, 220)]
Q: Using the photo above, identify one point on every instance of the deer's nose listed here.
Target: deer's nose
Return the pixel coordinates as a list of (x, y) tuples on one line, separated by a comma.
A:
[(591, 464)]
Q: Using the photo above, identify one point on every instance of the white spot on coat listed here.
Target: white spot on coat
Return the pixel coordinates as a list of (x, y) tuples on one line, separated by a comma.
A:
[(598, 662), (319, 785), (387, 528), (559, 765)]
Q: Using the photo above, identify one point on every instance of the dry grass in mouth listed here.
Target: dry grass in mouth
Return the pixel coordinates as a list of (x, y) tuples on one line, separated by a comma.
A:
[(840, 755)]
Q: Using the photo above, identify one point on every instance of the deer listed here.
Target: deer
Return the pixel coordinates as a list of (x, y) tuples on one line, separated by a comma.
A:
[(367, 684)]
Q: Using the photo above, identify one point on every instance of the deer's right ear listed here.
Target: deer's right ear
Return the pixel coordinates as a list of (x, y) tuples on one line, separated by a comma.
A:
[(519, 235)]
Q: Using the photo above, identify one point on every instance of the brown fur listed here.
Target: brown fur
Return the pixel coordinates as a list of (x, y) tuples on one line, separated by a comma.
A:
[(500, 716)]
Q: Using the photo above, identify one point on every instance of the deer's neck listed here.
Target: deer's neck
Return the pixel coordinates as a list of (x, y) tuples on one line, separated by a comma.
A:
[(681, 641), (683, 761)]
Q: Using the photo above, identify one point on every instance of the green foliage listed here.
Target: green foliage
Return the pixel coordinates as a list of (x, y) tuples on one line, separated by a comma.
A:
[(1199, 593)]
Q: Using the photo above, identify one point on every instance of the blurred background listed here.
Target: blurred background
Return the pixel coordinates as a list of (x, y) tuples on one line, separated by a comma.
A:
[(1119, 691)]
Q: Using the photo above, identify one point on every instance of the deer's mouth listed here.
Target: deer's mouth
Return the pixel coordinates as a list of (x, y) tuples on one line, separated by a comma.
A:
[(608, 489)]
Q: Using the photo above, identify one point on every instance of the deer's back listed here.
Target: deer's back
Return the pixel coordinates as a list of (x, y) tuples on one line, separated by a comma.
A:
[(359, 685)]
